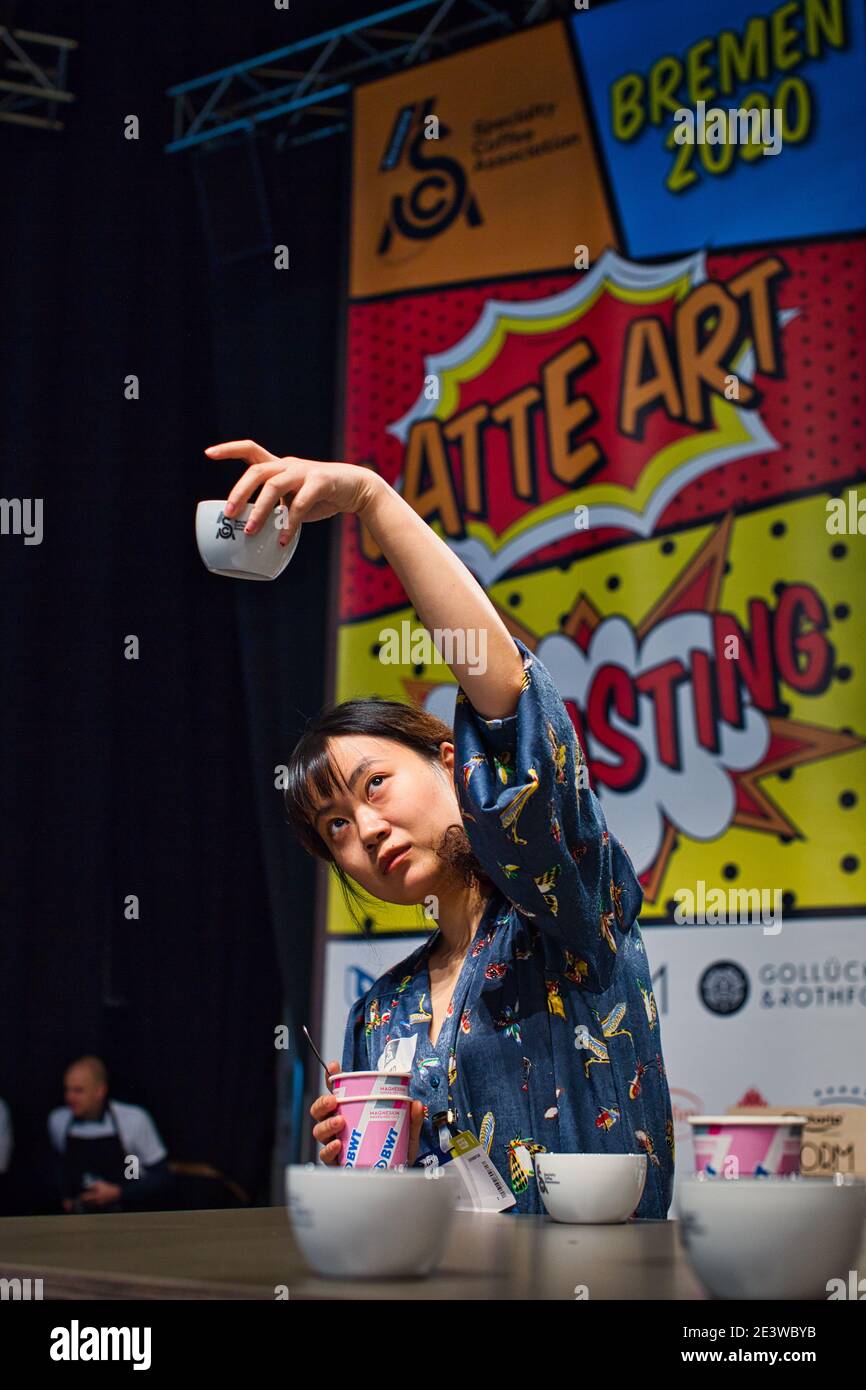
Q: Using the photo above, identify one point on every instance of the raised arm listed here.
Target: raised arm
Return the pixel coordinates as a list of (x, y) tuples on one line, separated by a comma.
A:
[(442, 590), (445, 594)]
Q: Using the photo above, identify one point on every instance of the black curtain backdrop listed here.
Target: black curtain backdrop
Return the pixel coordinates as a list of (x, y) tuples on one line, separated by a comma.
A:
[(155, 777)]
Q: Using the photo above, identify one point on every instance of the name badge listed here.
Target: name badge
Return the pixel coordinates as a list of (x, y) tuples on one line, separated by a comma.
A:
[(481, 1185)]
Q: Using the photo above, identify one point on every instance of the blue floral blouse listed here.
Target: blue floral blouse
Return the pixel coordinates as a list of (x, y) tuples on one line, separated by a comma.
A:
[(551, 1042)]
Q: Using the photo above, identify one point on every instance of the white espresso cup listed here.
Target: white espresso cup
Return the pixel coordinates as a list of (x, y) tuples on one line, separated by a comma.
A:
[(227, 549)]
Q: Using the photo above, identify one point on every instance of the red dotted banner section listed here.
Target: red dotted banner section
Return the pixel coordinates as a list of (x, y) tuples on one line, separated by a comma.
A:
[(619, 391)]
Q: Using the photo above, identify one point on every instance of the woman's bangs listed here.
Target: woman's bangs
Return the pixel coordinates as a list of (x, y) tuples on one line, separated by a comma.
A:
[(316, 782)]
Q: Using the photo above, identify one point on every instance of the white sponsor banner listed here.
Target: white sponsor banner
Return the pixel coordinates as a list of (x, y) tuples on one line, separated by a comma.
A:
[(746, 1017), (749, 1018)]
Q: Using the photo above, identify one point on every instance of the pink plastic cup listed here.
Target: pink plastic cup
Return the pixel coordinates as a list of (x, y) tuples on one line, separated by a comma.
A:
[(346, 1084), (376, 1132), (747, 1145)]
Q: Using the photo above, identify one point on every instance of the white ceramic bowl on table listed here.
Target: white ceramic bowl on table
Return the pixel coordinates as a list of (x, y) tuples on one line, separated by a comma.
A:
[(374, 1223), (590, 1188), (771, 1237)]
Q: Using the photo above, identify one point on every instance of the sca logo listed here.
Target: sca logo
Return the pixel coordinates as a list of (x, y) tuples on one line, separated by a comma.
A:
[(441, 192), (387, 1149), (225, 529), (352, 1150)]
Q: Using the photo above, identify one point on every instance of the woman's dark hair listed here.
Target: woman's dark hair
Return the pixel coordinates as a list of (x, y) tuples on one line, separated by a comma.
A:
[(312, 778)]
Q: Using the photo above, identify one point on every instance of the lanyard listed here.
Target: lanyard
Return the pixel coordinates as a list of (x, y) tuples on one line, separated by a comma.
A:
[(445, 1123)]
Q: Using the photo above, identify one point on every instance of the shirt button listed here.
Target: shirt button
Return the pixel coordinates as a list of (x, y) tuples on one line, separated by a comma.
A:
[(434, 1082)]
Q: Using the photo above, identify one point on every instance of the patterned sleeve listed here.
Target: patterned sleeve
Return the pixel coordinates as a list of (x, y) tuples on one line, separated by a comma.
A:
[(536, 827), (355, 1041)]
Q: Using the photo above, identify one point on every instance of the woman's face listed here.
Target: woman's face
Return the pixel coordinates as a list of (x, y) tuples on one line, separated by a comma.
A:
[(396, 800)]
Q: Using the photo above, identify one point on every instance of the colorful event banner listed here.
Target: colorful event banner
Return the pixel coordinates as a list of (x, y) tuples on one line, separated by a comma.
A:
[(635, 546), (633, 403)]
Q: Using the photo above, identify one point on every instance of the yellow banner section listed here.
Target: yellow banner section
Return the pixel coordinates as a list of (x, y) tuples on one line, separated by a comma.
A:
[(481, 159), (774, 801)]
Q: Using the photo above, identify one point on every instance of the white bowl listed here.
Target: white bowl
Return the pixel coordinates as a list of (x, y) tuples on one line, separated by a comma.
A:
[(369, 1222), (771, 1237), (590, 1188)]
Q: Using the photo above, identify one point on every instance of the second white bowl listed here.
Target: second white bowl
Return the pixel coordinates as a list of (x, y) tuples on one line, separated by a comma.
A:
[(771, 1237), (590, 1188)]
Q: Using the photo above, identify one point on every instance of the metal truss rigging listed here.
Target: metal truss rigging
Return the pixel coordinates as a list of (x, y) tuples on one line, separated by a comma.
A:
[(307, 85), (38, 91)]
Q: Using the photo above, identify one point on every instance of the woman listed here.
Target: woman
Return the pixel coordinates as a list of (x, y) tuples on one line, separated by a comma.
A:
[(529, 1011)]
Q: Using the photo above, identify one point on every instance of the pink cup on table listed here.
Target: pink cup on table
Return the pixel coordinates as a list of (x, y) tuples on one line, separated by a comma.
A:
[(346, 1084), (747, 1145), (376, 1132)]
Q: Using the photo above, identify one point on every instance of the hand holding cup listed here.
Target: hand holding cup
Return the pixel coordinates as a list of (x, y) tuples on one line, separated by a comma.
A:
[(319, 490)]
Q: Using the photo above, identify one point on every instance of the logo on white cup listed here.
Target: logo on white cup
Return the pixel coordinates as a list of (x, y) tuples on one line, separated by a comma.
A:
[(226, 548)]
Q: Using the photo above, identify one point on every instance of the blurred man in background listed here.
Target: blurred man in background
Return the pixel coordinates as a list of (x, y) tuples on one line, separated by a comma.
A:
[(109, 1154)]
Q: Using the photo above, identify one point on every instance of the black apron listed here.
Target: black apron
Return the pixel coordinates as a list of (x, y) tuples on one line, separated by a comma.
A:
[(97, 1158)]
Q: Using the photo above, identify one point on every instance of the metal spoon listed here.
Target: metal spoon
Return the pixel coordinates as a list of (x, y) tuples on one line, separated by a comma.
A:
[(319, 1055)]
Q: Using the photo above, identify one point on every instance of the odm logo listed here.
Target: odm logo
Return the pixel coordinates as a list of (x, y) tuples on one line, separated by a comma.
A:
[(387, 1149), (352, 1151)]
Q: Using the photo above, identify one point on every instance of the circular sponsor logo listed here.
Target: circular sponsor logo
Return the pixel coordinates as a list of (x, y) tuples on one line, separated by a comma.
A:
[(724, 987)]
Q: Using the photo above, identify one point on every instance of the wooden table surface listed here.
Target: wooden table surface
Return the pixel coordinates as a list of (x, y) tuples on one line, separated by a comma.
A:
[(247, 1254)]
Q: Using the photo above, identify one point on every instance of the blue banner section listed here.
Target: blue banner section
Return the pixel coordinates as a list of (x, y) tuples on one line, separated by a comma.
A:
[(776, 101)]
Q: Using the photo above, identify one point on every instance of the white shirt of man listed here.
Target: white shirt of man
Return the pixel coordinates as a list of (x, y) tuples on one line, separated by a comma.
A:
[(138, 1133)]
